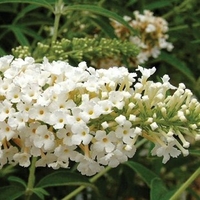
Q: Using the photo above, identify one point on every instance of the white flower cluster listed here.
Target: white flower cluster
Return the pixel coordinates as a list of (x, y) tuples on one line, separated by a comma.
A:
[(59, 113), (152, 34)]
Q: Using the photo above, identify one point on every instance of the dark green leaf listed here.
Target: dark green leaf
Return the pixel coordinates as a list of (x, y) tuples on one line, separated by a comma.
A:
[(4, 32), (158, 189), (168, 195), (178, 64), (195, 152), (146, 174), (6, 8), (61, 178), (2, 52), (21, 38), (37, 2), (32, 33), (11, 192), (40, 192), (24, 11), (105, 27), (101, 11), (157, 4), (17, 179), (131, 2)]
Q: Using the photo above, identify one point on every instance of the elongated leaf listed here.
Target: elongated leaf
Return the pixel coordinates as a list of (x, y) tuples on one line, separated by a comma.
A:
[(195, 152), (158, 4), (103, 12), (32, 33), (9, 169), (61, 178), (146, 174), (24, 11), (21, 38), (105, 27), (40, 192), (4, 32), (6, 8), (37, 2), (11, 192), (168, 195), (158, 189), (18, 180), (131, 2), (178, 64)]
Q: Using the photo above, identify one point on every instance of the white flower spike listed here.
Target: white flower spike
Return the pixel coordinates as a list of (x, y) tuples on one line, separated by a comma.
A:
[(60, 113)]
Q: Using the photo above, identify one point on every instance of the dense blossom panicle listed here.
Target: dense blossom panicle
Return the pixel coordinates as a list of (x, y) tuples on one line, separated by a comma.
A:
[(60, 113), (151, 39), (152, 31)]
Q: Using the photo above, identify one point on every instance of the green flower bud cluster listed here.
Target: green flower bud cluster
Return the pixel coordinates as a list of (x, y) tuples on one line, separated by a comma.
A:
[(78, 49)]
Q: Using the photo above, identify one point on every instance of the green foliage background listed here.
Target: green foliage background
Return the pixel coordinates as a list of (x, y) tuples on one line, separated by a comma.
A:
[(26, 23)]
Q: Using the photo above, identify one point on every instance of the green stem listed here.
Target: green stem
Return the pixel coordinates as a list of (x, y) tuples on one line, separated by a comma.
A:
[(140, 143), (31, 179), (186, 184), (74, 193), (58, 12), (101, 173)]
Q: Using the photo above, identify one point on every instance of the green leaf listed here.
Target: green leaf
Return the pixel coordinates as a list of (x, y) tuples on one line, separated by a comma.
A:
[(158, 189), (19, 35), (6, 8), (4, 32), (105, 27), (32, 33), (195, 152), (178, 64), (168, 195), (40, 192), (195, 41), (9, 169), (37, 2), (61, 178), (11, 192), (24, 11), (158, 4), (18, 180), (131, 2), (146, 174), (103, 12), (2, 52)]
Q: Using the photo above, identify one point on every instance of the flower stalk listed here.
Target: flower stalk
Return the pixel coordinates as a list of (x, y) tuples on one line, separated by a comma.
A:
[(185, 185), (31, 179), (58, 12)]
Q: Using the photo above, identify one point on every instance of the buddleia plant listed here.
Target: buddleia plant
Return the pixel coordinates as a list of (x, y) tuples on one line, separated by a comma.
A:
[(91, 120)]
